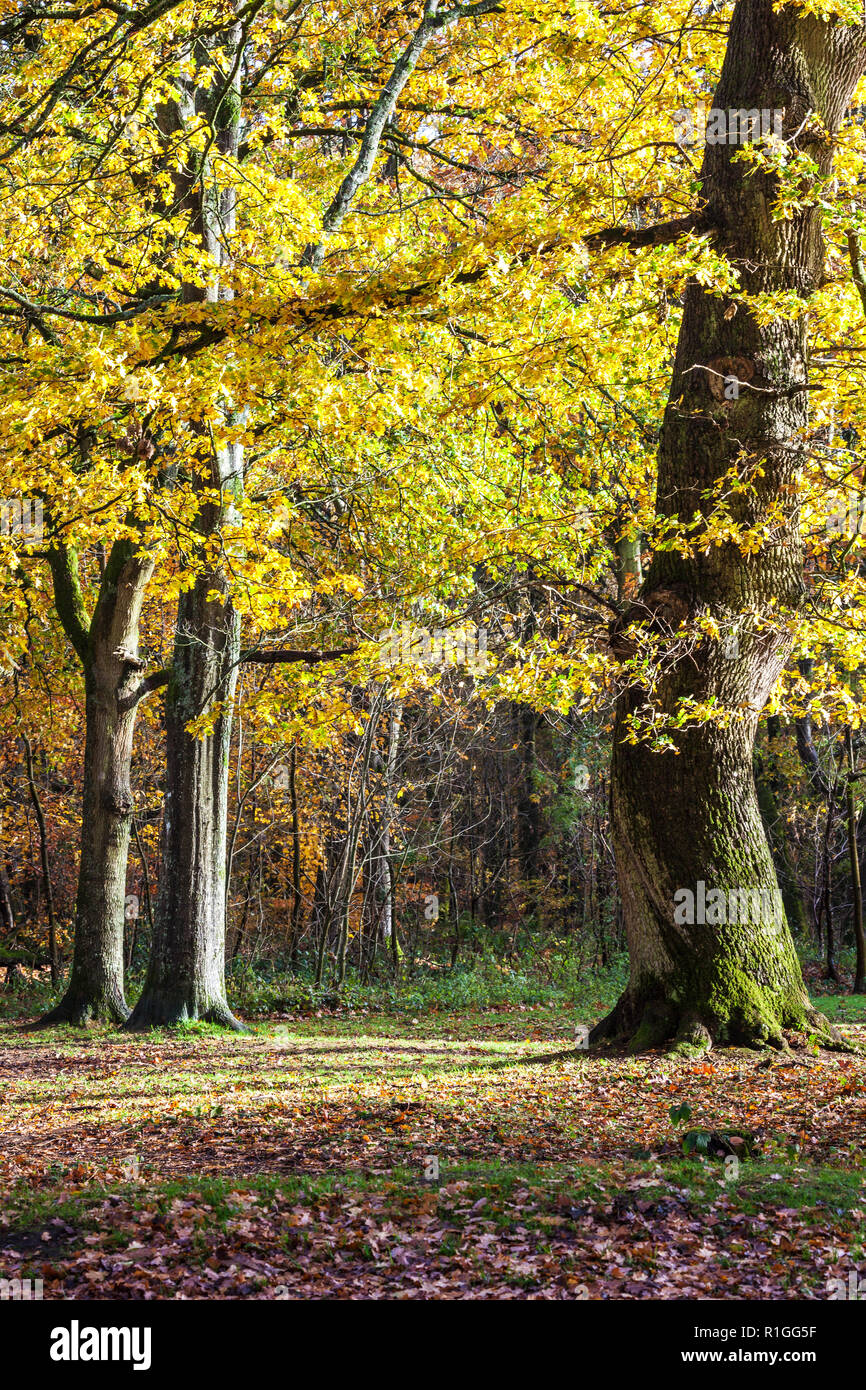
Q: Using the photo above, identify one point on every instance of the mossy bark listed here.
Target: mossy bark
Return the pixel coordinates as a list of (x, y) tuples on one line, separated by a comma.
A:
[(731, 982), (690, 814), (107, 647)]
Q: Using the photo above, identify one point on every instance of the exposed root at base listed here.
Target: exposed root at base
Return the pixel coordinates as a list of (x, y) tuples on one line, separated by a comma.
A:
[(160, 1011), (640, 1025), (81, 1012)]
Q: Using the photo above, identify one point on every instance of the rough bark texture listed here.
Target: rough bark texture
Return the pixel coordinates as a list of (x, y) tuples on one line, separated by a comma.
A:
[(729, 983), (107, 647), (186, 972)]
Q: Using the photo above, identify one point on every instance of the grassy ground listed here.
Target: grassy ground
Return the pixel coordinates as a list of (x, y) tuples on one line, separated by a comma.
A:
[(433, 1155)]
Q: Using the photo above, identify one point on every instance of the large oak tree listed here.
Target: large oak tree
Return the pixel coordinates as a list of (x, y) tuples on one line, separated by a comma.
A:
[(688, 814)]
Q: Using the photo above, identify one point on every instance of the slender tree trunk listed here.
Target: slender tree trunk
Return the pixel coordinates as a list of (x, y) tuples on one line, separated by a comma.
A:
[(453, 910), (830, 969), (107, 647), (7, 918), (186, 972), (396, 948), (322, 913), (737, 405), (356, 818), (528, 809), (148, 901), (44, 861), (774, 827), (297, 896), (380, 853), (859, 986), (395, 724), (7, 926)]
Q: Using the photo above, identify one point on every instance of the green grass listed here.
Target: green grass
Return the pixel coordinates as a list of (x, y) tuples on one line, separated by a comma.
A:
[(819, 1194), (842, 1008), (432, 990)]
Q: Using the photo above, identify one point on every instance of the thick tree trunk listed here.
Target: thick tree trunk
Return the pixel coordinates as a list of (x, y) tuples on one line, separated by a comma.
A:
[(737, 407), (108, 651)]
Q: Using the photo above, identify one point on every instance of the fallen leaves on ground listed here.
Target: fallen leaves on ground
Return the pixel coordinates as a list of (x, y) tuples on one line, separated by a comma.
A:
[(106, 1125)]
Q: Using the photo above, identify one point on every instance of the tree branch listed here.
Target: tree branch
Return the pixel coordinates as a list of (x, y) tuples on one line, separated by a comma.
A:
[(279, 655), (306, 313), (145, 687), (68, 598), (636, 237), (381, 113)]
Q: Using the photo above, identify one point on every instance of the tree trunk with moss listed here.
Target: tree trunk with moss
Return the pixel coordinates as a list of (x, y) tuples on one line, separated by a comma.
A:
[(689, 816), (107, 646)]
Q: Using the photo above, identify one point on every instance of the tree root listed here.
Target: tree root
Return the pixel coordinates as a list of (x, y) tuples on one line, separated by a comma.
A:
[(641, 1024), (78, 1011), (158, 1009)]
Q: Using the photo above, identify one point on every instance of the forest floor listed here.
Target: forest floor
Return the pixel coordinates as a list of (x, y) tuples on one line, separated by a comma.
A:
[(300, 1160)]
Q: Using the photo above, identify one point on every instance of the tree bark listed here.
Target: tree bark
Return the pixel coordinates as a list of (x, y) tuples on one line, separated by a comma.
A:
[(737, 983), (107, 647), (186, 971), (859, 986), (44, 861)]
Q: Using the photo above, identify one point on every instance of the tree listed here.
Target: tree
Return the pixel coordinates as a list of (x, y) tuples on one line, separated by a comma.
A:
[(107, 646), (688, 814), (321, 301)]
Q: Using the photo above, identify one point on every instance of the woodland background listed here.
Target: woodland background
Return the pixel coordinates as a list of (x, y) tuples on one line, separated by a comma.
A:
[(348, 330)]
